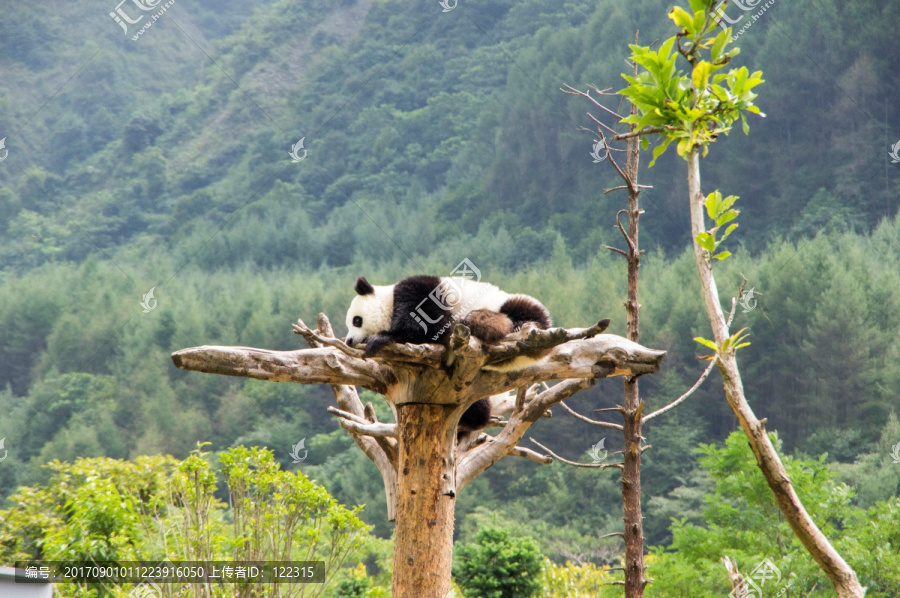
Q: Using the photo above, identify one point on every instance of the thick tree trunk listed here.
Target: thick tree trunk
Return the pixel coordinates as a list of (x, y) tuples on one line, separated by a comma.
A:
[(426, 500), (841, 575)]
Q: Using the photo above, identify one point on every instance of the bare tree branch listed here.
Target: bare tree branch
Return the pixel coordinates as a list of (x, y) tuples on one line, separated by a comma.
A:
[(620, 187), (625, 177), (603, 92), (325, 365), (628, 239), (505, 402), (686, 394), (475, 461), (521, 451), (738, 585), (520, 397), (312, 336), (428, 354), (532, 340), (587, 94), (353, 424), (593, 422)]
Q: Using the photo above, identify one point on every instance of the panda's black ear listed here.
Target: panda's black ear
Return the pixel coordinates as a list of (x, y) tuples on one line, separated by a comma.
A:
[(363, 287)]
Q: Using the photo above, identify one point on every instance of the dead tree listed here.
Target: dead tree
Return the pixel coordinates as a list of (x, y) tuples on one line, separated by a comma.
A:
[(633, 406), (633, 521), (421, 459)]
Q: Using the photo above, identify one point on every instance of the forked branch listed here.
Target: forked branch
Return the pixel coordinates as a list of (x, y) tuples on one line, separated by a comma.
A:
[(531, 340)]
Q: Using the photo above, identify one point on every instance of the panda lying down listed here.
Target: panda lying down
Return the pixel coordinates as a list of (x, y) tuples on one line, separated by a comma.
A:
[(422, 309)]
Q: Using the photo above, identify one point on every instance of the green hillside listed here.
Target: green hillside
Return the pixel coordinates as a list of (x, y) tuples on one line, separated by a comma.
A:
[(453, 118)]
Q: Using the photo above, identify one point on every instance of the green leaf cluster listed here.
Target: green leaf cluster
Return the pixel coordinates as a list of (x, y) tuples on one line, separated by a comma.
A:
[(691, 108), (732, 343), (719, 210)]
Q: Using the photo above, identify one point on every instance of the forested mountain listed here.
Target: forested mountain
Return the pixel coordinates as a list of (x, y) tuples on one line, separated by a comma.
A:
[(164, 162), (438, 126)]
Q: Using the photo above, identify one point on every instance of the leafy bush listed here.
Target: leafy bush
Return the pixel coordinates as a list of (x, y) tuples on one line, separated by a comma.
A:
[(498, 566), (156, 508), (742, 521)]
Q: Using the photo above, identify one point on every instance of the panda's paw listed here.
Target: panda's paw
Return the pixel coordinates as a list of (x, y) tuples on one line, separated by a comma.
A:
[(377, 342)]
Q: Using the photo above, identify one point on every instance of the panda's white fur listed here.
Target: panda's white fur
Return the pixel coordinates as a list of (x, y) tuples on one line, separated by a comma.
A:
[(376, 310), (462, 296)]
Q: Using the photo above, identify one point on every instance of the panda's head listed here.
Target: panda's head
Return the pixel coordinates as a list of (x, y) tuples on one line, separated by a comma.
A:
[(370, 311)]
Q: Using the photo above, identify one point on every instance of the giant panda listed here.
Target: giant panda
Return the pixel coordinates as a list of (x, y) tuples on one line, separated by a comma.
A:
[(422, 309)]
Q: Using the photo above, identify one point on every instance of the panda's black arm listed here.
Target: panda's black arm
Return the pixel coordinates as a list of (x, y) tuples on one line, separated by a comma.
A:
[(378, 341), (416, 317)]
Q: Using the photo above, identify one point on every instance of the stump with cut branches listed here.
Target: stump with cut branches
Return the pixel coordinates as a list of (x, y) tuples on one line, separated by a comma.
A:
[(423, 461)]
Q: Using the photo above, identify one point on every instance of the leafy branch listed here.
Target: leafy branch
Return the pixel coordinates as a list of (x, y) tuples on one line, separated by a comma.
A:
[(720, 212), (733, 343), (691, 110)]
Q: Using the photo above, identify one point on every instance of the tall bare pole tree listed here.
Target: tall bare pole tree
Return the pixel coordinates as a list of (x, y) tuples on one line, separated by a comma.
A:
[(632, 410), (422, 460), (633, 407)]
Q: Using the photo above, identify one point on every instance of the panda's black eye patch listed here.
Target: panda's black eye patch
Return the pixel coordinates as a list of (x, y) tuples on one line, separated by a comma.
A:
[(357, 321)]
